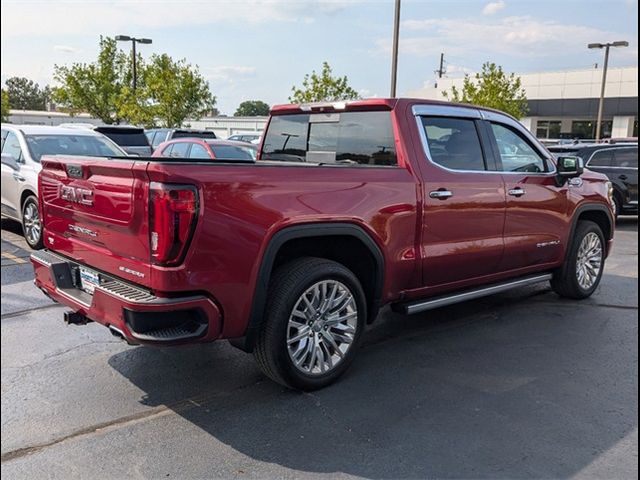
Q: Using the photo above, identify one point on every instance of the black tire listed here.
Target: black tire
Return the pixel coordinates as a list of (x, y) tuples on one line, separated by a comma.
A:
[(28, 227), (287, 286), (565, 280)]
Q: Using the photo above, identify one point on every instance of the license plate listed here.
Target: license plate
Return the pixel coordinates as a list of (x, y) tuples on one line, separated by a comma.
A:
[(89, 280)]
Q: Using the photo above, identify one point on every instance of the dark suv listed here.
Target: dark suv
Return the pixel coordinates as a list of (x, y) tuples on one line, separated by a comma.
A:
[(617, 161)]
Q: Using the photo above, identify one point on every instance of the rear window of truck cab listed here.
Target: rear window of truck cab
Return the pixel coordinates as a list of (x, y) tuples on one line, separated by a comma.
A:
[(345, 138)]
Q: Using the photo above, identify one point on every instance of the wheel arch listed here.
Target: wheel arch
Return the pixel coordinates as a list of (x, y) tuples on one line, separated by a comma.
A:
[(598, 213), (307, 234), (26, 193)]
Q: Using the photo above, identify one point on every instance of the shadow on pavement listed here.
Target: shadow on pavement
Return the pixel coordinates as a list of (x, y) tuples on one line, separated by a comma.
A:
[(11, 226), (627, 223), (516, 385)]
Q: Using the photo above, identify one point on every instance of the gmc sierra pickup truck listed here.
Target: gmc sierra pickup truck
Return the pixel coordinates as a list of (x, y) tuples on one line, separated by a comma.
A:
[(349, 207)]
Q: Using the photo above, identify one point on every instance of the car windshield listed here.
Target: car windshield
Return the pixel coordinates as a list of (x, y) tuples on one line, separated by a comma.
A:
[(70, 144), (233, 152)]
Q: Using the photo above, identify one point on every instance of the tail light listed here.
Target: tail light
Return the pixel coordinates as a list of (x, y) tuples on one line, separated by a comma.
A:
[(173, 210)]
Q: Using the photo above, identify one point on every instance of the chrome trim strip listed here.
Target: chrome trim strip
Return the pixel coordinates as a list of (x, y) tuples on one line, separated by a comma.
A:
[(467, 112), (430, 304)]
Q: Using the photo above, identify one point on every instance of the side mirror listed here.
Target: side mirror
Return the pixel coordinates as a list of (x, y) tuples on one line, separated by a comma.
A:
[(569, 167), (10, 161)]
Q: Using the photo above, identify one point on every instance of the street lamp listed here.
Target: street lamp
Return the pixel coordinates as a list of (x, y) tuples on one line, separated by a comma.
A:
[(606, 46), (133, 40), (394, 52)]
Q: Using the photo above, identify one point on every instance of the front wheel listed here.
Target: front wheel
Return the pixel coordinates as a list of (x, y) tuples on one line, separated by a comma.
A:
[(31, 223), (582, 271), (313, 323)]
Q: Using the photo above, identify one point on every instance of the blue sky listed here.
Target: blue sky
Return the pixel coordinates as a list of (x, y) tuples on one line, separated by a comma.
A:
[(259, 49)]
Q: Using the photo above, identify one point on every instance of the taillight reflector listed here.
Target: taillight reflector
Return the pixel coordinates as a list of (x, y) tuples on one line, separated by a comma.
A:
[(173, 211)]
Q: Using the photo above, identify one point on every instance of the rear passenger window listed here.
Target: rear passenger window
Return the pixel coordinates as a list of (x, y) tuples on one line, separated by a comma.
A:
[(167, 151), (198, 151), (347, 138), (454, 143), (159, 137), (627, 157), (603, 158), (516, 154), (180, 150)]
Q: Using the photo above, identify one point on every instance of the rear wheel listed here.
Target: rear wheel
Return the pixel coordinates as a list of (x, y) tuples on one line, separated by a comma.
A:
[(31, 223), (313, 324), (582, 271)]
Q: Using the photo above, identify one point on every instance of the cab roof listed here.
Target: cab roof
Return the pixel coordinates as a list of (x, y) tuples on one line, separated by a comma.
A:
[(367, 104)]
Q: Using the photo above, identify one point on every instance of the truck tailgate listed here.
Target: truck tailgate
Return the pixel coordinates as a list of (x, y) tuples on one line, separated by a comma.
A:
[(95, 211)]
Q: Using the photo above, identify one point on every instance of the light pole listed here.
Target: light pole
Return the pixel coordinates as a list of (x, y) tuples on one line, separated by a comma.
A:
[(133, 40), (394, 53), (606, 47)]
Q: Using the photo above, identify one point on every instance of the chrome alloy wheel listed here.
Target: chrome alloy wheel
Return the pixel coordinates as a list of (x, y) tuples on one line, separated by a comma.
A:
[(322, 327), (589, 260), (31, 223)]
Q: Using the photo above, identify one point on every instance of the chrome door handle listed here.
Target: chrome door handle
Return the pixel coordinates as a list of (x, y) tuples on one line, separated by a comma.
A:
[(18, 177), (441, 194), (517, 192)]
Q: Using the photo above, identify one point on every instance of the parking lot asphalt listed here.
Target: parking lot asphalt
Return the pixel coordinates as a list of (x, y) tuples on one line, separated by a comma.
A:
[(519, 385)]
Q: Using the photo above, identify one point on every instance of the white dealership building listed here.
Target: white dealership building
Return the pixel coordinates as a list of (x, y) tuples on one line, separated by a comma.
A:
[(564, 104)]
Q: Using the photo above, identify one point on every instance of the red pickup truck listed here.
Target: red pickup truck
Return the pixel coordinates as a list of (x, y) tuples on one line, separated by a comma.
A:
[(350, 206)]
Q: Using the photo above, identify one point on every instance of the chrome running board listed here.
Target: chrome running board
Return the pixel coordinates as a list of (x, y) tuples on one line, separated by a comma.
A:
[(417, 306)]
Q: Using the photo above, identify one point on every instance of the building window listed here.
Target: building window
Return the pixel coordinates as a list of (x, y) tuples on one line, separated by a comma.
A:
[(587, 129), (548, 129)]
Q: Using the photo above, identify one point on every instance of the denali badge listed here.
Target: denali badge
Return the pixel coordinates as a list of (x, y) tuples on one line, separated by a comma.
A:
[(82, 230), (548, 244), (79, 195)]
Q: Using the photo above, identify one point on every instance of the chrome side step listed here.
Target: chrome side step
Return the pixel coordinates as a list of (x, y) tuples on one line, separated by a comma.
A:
[(444, 300)]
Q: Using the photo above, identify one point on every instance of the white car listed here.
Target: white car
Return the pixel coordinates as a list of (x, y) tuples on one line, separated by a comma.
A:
[(22, 148), (253, 138)]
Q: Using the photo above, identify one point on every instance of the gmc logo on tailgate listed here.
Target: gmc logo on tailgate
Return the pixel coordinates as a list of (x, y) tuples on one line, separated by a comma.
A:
[(80, 195)]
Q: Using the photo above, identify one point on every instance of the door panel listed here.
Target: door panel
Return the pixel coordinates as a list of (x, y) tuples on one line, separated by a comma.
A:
[(534, 222), (536, 206), (464, 206), (626, 163), (11, 177)]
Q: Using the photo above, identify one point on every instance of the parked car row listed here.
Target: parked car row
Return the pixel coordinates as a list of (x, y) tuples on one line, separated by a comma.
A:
[(618, 161), (23, 145), (199, 148)]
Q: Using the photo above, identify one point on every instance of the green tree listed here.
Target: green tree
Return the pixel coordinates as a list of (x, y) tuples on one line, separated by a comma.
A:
[(252, 108), (25, 94), (5, 106), (101, 88), (171, 92), (323, 87), (492, 88)]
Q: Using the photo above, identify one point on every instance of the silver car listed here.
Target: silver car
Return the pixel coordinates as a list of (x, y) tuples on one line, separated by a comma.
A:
[(22, 148)]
